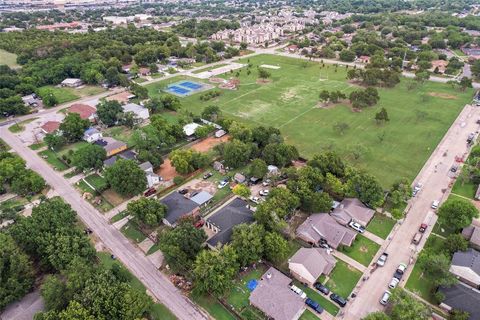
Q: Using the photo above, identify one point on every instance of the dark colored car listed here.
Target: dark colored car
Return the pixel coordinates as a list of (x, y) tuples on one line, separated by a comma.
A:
[(207, 175), (314, 305), (339, 300), (320, 287), (150, 192), (183, 191), (199, 223)]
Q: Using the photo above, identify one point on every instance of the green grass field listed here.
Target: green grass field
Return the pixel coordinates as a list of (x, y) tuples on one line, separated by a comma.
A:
[(381, 225), (53, 160), (308, 315), (343, 279), (131, 231), (10, 59), (64, 94), (99, 183), (362, 250), (214, 308), (418, 118)]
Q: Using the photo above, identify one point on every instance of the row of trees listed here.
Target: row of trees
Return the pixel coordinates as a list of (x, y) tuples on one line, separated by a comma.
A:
[(14, 176)]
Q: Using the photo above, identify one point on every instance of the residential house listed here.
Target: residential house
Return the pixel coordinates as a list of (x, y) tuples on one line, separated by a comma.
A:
[(439, 66), (292, 48), (190, 128), (472, 234), (308, 264), (222, 221), (364, 59), (201, 198), (50, 126), (71, 83), (111, 146), (85, 111), (239, 178), (152, 177), (91, 135), (178, 206), (32, 100), (461, 297), (139, 111), (352, 209), (466, 267), (218, 166), (275, 299), (144, 71), (125, 155), (321, 227), (220, 133)]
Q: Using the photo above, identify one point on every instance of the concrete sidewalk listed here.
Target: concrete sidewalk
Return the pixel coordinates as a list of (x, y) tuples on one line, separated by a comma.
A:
[(349, 260)]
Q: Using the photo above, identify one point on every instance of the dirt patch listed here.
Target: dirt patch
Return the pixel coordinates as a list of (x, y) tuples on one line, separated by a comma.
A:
[(201, 185), (121, 97), (442, 95), (208, 143), (263, 81), (167, 171), (112, 197), (363, 249)]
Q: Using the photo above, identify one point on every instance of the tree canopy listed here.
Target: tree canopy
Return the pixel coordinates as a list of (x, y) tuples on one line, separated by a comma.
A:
[(126, 177)]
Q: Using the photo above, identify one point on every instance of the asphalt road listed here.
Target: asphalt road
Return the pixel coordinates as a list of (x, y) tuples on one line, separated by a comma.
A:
[(435, 177), (156, 282)]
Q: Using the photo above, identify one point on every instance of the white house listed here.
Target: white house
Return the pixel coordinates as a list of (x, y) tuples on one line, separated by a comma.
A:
[(139, 111), (152, 178), (190, 128), (91, 135), (71, 82)]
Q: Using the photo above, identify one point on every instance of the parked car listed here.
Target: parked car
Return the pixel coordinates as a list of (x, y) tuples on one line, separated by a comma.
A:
[(454, 168), (199, 223), (423, 227), (314, 305), (386, 295), (207, 175), (356, 226), (88, 231), (255, 199), (435, 204), (393, 283), (416, 189), (320, 287), (150, 192), (339, 300), (470, 137), (298, 291), (264, 192), (382, 259), (266, 183), (183, 191), (222, 183), (417, 238), (400, 271)]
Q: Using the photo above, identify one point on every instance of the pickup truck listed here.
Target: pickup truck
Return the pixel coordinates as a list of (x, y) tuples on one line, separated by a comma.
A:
[(382, 259)]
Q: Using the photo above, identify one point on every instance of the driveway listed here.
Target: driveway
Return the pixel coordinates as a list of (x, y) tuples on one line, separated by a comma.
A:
[(24, 309), (156, 282), (435, 179)]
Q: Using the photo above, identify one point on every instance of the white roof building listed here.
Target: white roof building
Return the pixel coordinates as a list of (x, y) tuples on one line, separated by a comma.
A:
[(139, 111), (190, 128)]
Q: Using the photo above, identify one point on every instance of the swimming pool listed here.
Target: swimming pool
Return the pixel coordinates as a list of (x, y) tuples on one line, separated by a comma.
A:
[(186, 88)]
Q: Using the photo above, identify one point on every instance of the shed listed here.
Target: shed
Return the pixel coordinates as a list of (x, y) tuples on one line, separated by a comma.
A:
[(201, 198)]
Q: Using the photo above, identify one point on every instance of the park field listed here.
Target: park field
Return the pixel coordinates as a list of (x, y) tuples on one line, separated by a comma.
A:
[(10, 59), (419, 117)]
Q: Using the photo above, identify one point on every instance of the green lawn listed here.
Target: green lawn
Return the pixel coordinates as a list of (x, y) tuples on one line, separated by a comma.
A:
[(158, 311), (381, 225), (213, 307), (99, 183), (64, 94), (19, 127), (120, 133), (10, 59), (131, 231), (238, 296), (308, 315), (362, 250), (210, 68), (52, 159), (417, 282), (37, 146), (119, 216), (322, 299), (418, 118), (464, 188), (343, 279)]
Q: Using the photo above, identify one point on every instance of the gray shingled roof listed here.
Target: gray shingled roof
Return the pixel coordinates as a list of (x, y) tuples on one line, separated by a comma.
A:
[(352, 208), (233, 214), (201, 197), (463, 297), (177, 206), (469, 259), (317, 261)]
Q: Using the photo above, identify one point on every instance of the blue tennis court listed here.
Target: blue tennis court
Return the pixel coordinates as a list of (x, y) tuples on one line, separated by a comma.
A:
[(178, 90), (190, 85)]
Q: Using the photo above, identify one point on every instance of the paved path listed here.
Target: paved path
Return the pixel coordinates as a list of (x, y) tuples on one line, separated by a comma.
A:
[(156, 282), (435, 179), (25, 308), (373, 237), (349, 260)]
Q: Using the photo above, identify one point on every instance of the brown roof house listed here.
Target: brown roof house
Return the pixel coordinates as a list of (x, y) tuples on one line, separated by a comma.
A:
[(50, 126), (308, 264), (275, 299), (466, 267), (84, 110), (352, 209), (439, 66), (472, 234), (321, 227)]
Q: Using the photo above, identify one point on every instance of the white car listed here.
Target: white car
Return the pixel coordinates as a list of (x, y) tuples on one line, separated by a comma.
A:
[(255, 199), (386, 295), (264, 192), (298, 291), (393, 283), (435, 204), (266, 183), (416, 189), (222, 184), (356, 226)]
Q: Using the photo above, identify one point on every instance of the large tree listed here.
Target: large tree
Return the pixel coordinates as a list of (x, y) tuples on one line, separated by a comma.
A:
[(214, 270), (366, 188), (236, 153), (147, 211), (73, 127), (457, 213), (258, 168), (27, 182), (247, 240), (279, 154), (17, 273), (437, 268), (276, 247), (109, 112), (180, 246), (328, 162), (89, 157), (126, 177), (406, 307), (379, 315), (187, 160)]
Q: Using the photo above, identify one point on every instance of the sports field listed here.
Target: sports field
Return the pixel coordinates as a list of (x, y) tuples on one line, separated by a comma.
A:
[(418, 118)]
